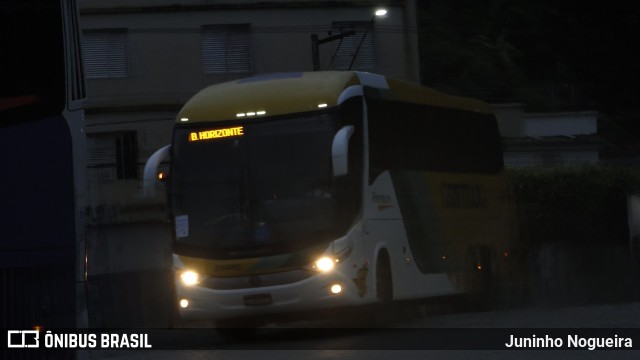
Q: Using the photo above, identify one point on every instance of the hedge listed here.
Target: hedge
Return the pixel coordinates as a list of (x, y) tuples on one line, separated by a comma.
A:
[(585, 204)]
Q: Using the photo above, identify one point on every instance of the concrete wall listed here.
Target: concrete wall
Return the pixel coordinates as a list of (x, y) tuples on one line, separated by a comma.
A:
[(547, 139), (550, 157), (562, 274), (514, 122), (130, 277), (560, 124)]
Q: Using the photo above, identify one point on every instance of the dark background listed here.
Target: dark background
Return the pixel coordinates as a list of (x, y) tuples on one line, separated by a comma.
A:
[(562, 55)]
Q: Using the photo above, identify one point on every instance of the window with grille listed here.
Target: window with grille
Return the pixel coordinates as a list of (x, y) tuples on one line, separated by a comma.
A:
[(226, 48), (346, 49), (105, 53), (112, 156)]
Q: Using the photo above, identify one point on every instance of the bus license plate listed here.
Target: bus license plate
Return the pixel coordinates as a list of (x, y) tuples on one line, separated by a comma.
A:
[(258, 299)]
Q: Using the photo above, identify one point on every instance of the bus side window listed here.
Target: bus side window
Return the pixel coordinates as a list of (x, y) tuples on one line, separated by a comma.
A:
[(417, 137)]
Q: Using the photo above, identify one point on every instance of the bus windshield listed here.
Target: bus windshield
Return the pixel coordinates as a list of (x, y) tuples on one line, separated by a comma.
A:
[(263, 185)]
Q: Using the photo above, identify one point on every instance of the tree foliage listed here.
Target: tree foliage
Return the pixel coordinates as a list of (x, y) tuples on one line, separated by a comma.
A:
[(550, 55)]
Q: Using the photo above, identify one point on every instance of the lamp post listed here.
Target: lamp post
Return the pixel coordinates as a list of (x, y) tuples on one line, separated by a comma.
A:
[(316, 42), (315, 45), (378, 13)]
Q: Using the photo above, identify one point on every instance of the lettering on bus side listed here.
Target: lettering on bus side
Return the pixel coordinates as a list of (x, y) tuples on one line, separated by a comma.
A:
[(383, 201), (463, 196), (216, 133)]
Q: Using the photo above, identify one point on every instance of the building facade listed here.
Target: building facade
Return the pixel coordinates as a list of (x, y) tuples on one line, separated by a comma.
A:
[(547, 139), (144, 59)]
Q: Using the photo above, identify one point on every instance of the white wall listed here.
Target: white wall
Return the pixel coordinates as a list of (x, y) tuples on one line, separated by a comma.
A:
[(560, 124)]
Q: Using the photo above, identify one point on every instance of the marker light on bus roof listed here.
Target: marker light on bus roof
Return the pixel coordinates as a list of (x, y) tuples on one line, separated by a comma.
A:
[(251, 113), (184, 119), (323, 105)]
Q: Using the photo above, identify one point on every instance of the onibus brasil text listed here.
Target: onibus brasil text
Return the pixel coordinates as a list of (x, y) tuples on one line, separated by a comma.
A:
[(92, 341)]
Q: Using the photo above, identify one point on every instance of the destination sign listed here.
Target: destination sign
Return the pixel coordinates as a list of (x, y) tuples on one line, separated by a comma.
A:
[(216, 133)]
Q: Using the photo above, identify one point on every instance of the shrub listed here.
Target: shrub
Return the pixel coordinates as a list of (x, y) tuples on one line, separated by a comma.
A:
[(584, 204)]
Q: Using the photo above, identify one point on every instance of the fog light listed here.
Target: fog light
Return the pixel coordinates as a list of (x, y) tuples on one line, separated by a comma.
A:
[(184, 303), (336, 289)]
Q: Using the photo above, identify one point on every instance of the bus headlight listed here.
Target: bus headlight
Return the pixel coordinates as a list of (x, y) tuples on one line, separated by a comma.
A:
[(189, 277), (325, 264)]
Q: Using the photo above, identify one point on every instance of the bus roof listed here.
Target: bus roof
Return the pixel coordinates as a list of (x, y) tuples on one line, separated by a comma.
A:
[(286, 93)]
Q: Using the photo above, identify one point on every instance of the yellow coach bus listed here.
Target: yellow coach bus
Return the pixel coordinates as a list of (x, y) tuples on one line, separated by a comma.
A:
[(305, 191)]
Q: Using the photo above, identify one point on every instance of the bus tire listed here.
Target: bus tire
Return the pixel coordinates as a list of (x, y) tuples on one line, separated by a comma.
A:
[(384, 282)]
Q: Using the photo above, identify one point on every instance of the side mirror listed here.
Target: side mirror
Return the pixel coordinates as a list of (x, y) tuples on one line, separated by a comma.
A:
[(340, 151), (150, 174)]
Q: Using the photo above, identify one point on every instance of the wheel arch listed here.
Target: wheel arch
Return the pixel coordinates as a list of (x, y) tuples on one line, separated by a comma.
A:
[(383, 274)]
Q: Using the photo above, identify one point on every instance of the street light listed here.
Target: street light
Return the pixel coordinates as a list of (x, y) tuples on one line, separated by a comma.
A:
[(377, 13), (381, 12), (316, 42)]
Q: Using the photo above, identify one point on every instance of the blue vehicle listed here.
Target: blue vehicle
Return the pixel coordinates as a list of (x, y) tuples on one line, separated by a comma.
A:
[(42, 141)]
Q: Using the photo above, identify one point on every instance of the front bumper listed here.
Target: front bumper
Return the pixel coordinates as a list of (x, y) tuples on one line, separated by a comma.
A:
[(312, 293)]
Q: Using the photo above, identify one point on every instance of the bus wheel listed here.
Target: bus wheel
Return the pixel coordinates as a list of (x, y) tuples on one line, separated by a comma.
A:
[(384, 285)]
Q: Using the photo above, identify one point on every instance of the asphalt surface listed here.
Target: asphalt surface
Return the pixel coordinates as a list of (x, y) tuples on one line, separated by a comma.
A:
[(395, 340)]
